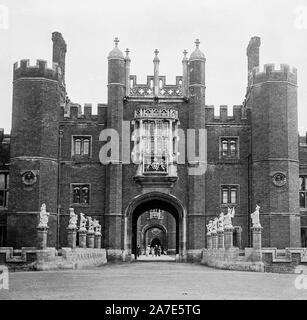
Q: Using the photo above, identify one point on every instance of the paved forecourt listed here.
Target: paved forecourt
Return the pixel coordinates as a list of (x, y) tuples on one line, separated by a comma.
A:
[(151, 280)]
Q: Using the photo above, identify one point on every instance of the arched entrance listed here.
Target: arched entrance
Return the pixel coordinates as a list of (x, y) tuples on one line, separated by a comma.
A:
[(151, 201)]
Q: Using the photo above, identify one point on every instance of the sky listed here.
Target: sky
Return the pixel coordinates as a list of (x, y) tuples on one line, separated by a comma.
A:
[(224, 28)]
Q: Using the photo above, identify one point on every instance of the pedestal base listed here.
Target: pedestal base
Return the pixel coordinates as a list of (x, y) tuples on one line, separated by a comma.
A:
[(97, 241), (82, 239), (72, 238), (228, 237), (42, 238), (90, 240)]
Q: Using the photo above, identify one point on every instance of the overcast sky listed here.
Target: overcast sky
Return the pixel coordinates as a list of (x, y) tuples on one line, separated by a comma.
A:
[(224, 28)]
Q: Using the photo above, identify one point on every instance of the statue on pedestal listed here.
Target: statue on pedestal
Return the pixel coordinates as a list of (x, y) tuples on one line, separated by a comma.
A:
[(43, 217), (209, 227), (221, 222), (90, 225), (73, 219), (97, 227), (215, 225), (227, 218), (255, 218), (83, 221)]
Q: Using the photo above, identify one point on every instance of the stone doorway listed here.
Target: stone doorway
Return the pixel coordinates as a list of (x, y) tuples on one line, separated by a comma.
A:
[(155, 201)]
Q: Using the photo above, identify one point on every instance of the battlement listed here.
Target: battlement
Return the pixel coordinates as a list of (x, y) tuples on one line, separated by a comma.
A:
[(75, 112), (240, 114), (271, 73), (39, 70), (147, 90)]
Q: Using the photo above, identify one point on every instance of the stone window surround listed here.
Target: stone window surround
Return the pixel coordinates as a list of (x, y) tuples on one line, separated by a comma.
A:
[(237, 196), (75, 184), (237, 157), (81, 136)]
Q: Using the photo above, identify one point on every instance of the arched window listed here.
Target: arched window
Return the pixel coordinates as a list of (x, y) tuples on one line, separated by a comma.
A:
[(76, 195), (86, 147), (78, 146), (224, 148), (233, 148), (82, 146)]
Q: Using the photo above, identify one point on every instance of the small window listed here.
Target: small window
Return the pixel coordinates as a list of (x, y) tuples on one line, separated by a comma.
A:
[(303, 191), (81, 146), (229, 194), (81, 194), (229, 148), (4, 192)]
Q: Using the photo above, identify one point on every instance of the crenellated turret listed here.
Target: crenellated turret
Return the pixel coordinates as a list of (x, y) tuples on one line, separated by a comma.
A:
[(38, 93), (275, 166)]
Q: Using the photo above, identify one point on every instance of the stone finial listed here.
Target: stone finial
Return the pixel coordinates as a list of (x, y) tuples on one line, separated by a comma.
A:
[(185, 52), (197, 42), (127, 58), (116, 41), (156, 58)]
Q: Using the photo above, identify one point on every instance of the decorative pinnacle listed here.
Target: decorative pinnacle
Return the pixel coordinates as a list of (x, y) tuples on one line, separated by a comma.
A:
[(197, 42), (127, 58), (156, 55), (185, 52), (116, 41)]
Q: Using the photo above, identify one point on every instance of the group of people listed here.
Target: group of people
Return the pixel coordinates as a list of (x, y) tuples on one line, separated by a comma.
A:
[(154, 251)]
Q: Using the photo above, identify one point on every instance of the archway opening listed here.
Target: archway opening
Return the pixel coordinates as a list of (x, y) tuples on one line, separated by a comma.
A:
[(156, 201)]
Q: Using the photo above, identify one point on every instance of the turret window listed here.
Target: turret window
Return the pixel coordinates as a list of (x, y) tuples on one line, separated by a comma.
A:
[(229, 147), (81, 146)]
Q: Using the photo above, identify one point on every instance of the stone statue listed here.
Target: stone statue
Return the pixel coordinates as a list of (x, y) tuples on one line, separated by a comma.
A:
[(98, 230), (97, 227), (90, 225), (209, 227), (215, 225), (221, 222), (43, 217), (83, 221), (73, 219), (255, 218), (227, 218)]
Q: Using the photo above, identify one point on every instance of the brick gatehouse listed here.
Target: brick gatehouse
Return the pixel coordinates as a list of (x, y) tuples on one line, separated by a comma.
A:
[(168, 193)]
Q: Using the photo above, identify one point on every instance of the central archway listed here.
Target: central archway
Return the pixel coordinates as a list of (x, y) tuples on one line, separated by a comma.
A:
[(151, 201)]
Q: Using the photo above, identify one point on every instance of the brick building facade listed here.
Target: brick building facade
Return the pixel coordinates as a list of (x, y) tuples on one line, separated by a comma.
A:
[(56, 154)]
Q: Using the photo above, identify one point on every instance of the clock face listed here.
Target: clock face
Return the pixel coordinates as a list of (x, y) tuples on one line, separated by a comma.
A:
[(279, 179), (29, 178)]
